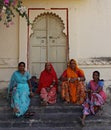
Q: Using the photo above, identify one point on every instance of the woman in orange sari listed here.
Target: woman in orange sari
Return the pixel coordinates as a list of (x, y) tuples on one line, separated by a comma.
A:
[(48, 85), (73, 89)]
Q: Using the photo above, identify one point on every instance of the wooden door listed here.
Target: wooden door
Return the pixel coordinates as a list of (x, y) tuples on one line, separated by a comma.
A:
[(47, 43)]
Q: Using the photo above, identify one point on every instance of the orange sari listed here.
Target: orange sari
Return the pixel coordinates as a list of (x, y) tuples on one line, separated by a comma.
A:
[(73, 92)]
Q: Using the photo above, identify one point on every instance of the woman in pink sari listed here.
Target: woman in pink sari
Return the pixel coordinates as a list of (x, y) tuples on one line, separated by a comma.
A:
[(96, 97), (48, 85)]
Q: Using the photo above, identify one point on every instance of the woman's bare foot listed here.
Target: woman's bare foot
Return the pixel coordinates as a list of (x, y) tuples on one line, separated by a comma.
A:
[(15, 110), (44, 103), (29, 114), (66, 102), (83, 122), (77, 103)]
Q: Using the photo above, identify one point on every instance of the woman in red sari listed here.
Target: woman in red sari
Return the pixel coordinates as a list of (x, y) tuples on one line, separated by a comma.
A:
[(48, 85)]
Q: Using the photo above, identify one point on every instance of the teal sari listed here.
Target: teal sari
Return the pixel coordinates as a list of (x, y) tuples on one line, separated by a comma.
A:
[(20, 92)]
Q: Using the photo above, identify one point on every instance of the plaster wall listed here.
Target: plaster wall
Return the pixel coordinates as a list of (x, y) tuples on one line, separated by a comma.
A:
[(89, 27)]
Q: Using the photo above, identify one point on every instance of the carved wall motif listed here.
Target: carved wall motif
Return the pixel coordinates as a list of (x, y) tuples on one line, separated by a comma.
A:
[(8, 62), (95, 61)]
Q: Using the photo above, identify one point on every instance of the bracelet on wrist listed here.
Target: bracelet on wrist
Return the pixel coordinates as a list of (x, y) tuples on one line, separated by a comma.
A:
[(51, 86), (79, 78), (69, 79)]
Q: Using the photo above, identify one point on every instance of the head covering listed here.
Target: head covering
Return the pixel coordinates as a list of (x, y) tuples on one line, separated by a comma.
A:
[(47, 77), (76, 67), (52, 71), (79, 72)]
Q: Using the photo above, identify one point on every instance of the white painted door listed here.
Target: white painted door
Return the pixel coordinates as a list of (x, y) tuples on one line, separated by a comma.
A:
[(47, 43)]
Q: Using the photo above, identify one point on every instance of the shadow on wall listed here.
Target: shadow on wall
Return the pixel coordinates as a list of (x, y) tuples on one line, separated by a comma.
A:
[(108, 92), (107, 89), (3, 84)]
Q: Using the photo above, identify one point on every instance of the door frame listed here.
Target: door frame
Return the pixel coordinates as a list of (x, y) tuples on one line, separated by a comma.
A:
[(67, 32)]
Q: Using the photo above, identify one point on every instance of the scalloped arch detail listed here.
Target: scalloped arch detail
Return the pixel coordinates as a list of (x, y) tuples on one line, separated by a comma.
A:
[(51, 15)]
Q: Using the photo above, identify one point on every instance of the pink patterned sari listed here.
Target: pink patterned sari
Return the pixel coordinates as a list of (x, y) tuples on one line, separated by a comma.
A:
[(94, 99), (49, 96)]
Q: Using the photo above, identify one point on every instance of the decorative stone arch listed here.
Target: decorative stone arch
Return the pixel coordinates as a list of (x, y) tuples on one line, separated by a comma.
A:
[(45, 14)]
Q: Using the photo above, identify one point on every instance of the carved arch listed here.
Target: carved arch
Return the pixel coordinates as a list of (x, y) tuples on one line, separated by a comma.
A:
[(37, 19)]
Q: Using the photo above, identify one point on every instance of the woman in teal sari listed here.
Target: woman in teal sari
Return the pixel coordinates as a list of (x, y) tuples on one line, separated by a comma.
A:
[(19, 87)]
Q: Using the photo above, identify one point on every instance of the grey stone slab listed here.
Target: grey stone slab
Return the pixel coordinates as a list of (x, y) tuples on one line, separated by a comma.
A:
[(5, 124), (21, 124)]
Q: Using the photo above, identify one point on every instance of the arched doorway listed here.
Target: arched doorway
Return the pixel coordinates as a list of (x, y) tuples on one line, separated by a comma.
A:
[(48, 43)]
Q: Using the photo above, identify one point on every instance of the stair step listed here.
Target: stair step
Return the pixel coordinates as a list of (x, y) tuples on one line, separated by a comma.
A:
[(48, 109), (59, 116), (62, 128), (21, 122)]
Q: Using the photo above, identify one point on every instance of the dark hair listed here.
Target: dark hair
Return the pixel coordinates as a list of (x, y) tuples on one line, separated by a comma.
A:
[(47, 63), (97, 73), (21, 63), (71, 61), (33, 77)]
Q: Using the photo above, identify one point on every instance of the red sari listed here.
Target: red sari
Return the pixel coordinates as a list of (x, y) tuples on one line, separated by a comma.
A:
[(48, 93)]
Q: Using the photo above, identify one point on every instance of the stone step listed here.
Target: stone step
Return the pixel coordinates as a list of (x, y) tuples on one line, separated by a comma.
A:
[(48, 109), (43, 116), (62, 128), (51, 116), (21, 122), (59, 116), (57, 108)]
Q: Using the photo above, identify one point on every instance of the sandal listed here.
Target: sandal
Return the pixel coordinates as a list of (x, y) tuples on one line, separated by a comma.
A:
[(29, 114), (43, 103)]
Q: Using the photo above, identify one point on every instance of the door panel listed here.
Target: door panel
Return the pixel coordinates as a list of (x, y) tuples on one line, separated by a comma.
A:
[(47, 44)]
